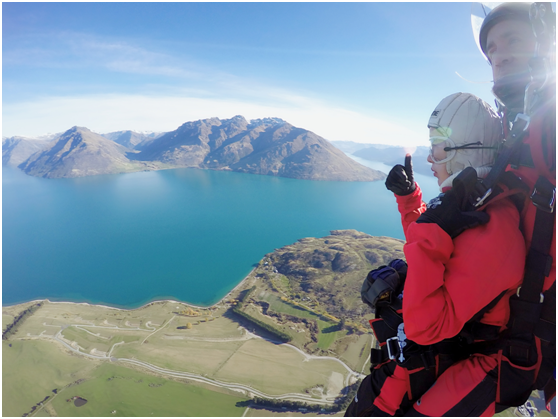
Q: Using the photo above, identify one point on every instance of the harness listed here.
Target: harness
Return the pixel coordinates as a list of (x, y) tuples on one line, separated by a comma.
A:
[(527, 349), (424, 363)]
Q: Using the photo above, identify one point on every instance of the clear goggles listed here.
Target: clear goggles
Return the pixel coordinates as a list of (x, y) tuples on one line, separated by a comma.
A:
[(450, 148)]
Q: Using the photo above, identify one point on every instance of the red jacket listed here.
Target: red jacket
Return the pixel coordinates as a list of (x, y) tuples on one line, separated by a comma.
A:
[(448, 282)]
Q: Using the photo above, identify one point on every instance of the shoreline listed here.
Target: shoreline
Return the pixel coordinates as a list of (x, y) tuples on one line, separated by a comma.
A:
[(142, 306)]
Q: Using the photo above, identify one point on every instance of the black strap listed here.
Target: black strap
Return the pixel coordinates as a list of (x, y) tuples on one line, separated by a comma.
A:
[(526, 307), (539, 260), (522, 158), (546, 327), (511, 146)]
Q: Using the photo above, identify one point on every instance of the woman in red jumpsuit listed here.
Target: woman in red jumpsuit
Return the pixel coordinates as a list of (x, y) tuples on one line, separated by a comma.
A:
[(454, 272)]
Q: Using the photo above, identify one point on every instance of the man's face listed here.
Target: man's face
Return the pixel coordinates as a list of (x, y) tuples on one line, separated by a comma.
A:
[(509, 46)]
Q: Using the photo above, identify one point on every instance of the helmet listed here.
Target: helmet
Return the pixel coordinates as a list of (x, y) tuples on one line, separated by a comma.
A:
[(470, 128), (505, 11)]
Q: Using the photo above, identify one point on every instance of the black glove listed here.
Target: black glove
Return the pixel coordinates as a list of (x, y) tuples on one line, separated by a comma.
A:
[(400, 179), (451, 210)]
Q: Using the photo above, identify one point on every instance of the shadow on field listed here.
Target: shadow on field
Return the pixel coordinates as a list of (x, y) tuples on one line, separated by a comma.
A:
[(286, 406), (339, 405), (333, 328), (251, 327)]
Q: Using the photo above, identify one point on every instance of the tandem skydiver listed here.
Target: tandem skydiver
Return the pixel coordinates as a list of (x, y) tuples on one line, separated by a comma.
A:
[(462, 269), (519, 42)]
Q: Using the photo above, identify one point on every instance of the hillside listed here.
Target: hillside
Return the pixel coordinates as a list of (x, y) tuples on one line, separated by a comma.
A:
[(80, 152), (267, 146), (314, 285), (15, 150), (132, 140)]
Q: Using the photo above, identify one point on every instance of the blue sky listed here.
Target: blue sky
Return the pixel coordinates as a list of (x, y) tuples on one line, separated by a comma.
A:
[(364, 72)]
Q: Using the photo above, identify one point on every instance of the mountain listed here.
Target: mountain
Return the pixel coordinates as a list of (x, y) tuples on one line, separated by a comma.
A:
[(389, 155), (393, 155), (350, 147), (80, 152), (131, 139), (15, 150), (268, 146)]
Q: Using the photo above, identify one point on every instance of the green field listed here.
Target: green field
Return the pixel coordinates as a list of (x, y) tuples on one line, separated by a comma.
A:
[(31, 369), (36, 364), (279, 306), (327, 336), (132, 393)]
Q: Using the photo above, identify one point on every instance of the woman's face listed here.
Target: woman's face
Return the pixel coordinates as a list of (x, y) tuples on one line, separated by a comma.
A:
[(437, 153)]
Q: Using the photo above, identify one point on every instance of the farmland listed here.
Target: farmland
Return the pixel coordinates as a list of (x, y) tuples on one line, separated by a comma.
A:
[(159, 358)]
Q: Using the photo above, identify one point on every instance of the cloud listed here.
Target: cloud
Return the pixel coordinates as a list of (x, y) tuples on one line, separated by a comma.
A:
[(182, 89), (115, 112)]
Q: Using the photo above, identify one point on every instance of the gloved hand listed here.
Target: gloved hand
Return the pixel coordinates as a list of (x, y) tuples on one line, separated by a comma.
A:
[(380, 287), (451, 210), (400, 180)]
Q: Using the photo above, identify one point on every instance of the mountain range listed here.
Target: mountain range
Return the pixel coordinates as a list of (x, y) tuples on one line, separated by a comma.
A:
[(269, 146), (387, 154)]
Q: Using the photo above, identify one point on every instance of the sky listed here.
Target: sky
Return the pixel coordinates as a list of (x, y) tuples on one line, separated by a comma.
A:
[(362, 72)]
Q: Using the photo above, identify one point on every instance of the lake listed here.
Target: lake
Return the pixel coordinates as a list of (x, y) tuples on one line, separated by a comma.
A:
[(184, 234)]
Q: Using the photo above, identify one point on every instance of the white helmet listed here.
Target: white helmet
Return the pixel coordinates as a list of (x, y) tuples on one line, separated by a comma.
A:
[(471, 130)]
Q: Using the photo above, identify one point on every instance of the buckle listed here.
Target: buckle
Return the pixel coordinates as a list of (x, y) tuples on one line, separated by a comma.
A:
[(400, 340), (481, 200), (544, 198), (519, 290), (388, 344), (525, 118)]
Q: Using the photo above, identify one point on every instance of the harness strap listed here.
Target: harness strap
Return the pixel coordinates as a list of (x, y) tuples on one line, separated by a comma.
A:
[(511, 146), (545, 329), (526, 307), (523, 157)]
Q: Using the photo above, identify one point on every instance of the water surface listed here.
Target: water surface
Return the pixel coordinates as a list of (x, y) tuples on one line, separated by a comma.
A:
[(185, 234)]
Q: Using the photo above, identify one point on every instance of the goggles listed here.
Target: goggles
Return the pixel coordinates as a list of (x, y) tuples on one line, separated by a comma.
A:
[(449, 150), (452, 149)]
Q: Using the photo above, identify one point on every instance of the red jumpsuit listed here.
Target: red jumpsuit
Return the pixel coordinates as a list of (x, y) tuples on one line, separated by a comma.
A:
[(447, 283)]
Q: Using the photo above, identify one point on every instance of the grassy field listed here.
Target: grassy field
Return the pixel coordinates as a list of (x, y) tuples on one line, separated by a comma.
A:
[(31, 369), (131, 393), (214, 347), (277, 367), (327, 333), (355, 351), (279, 306)]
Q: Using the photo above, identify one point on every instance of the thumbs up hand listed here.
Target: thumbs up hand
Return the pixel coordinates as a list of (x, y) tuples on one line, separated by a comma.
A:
[(400, 179)]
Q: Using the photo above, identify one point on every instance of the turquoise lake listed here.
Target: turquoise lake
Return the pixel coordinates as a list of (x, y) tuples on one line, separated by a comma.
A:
[(185, 234)]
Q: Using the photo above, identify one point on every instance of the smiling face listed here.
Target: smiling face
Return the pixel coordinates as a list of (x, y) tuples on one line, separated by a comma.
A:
[(509, 46)]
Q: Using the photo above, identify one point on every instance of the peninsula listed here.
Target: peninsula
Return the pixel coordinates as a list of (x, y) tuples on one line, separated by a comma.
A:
[(292, 335)]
